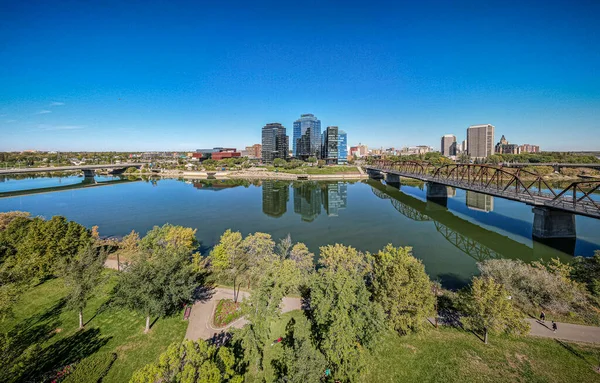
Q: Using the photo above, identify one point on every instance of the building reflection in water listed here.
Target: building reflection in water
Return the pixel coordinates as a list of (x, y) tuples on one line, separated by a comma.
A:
[(310, 198), (307, 200), (479, 201), (334, 197), (275, 195)]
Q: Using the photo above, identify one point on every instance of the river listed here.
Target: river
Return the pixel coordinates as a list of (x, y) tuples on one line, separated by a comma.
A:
[(365, 214)]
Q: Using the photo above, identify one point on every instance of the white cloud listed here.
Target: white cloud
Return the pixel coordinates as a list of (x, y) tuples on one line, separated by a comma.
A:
[(60, 127), (56, 103), (44, 112), (9, 121)]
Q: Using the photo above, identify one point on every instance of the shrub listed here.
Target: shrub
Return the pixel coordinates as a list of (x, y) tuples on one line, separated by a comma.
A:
[(537, 285), (92, 369)]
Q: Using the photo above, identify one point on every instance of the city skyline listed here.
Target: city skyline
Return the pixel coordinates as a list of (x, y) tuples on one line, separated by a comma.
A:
[(77, 76)]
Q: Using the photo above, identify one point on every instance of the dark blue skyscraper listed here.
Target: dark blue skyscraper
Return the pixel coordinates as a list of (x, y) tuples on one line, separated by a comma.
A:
[(342, 147)]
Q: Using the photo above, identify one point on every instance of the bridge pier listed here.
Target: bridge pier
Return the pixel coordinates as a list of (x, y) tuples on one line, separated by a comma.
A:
[(392, 180), (550, 223), (437, 193), (374, 174), (117, 171), (88, 175)]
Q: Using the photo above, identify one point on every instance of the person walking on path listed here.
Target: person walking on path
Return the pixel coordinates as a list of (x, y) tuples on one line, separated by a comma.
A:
[(554, 326), (543, 316)]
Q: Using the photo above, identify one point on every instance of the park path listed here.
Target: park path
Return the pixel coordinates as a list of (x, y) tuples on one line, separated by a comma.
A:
[(200, 322), (565, 331)]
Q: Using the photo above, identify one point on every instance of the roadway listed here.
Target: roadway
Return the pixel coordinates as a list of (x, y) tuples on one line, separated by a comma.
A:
[(69, 168), (585, 207)]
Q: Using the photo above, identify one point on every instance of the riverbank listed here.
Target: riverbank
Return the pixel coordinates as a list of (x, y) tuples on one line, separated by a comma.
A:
[(254, 174)]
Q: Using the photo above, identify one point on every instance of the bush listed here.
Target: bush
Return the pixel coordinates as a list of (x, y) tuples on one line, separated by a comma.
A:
[(92, 369), (536, 285)]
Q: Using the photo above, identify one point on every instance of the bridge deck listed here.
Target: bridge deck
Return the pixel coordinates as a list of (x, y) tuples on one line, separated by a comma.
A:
[(68, 168), (529, 196)]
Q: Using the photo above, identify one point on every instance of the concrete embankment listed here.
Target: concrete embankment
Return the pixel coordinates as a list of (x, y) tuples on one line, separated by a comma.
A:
[(260, 175)]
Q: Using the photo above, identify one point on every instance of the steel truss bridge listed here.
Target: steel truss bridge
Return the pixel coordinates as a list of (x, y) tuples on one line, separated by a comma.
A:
[(515, 184)]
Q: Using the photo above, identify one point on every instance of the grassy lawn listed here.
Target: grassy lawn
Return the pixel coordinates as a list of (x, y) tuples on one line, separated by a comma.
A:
[(450, 355), (226, 312), (317, 170), (46, 334)]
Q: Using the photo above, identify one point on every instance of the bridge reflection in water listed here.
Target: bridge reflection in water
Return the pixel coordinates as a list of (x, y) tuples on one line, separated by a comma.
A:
[(477, 242), (86, 182)]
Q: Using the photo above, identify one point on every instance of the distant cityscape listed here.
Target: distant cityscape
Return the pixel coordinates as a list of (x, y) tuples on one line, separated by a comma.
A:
[(330, 146), (479, 144)]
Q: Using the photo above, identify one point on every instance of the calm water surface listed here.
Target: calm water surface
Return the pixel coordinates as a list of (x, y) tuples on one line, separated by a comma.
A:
[(367, 215)]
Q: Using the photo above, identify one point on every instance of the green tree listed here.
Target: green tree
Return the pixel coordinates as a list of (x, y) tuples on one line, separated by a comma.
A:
[(279, 162), (464, 158), (229, 259), (300, 360), (157, 283), (170, 236), (191, 362), (488, 308), (402, 288), (312, 159), (345, 320), (258, 251), (277, 278), (82, 274), (587, 271)]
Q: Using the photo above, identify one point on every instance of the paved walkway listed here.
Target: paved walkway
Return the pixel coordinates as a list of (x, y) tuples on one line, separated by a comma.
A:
[(565, 331), (200, 322)]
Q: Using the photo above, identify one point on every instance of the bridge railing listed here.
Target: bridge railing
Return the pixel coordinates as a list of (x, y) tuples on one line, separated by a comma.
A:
[(514, 183)]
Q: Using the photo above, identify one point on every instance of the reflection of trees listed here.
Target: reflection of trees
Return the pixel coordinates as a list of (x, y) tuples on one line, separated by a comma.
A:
[(275, 195), (216, 184)]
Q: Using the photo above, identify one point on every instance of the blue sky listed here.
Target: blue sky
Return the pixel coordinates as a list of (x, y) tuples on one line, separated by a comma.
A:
[(172, 75)]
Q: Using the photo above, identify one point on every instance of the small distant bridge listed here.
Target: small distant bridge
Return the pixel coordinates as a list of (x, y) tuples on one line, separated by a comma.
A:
[(88, 170)]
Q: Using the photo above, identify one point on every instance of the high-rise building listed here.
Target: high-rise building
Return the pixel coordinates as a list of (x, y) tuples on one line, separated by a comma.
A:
[(275, 144), (331, 145), (342, 147), (480, 141), (463, 146), (448, 145), (306, 141)]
